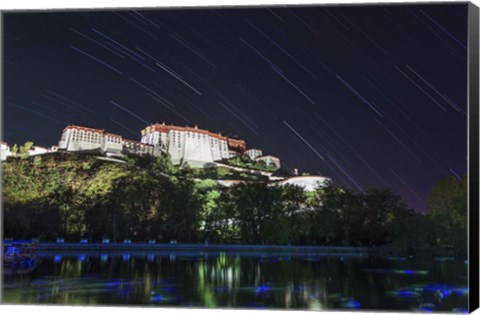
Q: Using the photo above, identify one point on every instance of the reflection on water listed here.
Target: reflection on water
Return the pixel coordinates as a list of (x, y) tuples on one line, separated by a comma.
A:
[(243, 280)]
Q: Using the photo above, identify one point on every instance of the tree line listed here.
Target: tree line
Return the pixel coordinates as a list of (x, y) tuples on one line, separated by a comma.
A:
[(77, 196)]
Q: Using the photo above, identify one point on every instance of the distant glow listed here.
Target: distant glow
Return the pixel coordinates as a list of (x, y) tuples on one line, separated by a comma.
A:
[(423, 309), (157, 298), (113, 283), (460, 291), (399, 271), (407, 272), (436, 287), (351, 303), (405, 293), (446, 293), (460, 310), (411, 272), (262, 289)]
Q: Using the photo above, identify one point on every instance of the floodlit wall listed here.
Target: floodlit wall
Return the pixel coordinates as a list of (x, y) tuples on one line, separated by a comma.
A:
[(309, 183)]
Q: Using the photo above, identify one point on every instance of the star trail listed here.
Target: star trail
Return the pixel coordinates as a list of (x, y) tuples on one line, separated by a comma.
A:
[(370, 96)]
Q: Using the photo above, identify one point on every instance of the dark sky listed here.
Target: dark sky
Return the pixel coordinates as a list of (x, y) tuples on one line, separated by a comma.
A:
[(371, 96)]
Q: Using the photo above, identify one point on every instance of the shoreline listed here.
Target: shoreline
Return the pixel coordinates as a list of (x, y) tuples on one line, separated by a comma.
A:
[(143, 247)]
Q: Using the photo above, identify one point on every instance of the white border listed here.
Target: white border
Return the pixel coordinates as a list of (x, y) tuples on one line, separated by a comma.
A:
[(99, 4)]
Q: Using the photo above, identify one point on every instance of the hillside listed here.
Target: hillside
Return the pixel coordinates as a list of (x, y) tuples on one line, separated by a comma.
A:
[(80, 195), (76, 195)]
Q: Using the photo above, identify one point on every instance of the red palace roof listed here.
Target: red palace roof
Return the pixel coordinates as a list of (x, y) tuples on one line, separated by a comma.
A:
[(83, 128), (91, 130), (112, 135), (167, 128), (237, 144)]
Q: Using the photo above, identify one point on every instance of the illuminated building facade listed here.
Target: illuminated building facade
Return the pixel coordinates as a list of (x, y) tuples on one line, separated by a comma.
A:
[(77, 138), (4, 151), (187, 146), (253, 153), (190, 145)]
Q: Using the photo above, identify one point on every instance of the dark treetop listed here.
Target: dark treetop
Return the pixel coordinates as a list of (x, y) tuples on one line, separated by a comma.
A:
[(367, 95)]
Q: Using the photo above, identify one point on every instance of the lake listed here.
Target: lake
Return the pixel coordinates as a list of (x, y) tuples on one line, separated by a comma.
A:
[(248, 280)]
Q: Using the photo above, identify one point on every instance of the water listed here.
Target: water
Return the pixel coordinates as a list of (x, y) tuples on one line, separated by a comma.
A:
[(242, 280)]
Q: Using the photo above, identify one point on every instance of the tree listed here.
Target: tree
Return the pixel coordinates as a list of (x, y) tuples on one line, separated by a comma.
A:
[(447, 207), (24, 149), (163, 164), (337, 220), (66, 202), (37, 162), (245, 158), (77, 195), (411, 234), (380, 210), (282, 172), (17, 220), (226, 217), (257, 208), (14, 149), (210, 170), (210, 221), (294, 214)]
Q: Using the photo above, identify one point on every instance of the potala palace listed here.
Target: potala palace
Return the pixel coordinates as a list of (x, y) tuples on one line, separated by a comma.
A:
[(187, 146)]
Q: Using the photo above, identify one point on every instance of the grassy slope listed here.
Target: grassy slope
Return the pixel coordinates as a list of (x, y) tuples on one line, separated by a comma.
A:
[(36, 177)]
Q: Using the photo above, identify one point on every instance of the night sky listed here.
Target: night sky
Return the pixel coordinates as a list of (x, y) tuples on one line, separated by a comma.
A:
[(371, 96)]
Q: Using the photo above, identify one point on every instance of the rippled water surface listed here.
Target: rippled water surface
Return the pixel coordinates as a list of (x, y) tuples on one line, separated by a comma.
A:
[(242, 280)]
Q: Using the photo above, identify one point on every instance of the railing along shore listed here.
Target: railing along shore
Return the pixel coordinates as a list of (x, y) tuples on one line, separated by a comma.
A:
[(202, 247)]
